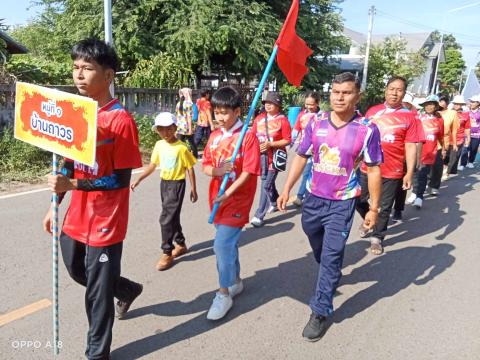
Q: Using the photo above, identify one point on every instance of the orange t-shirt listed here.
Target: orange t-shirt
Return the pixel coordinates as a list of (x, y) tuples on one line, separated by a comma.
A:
[(203, 106)]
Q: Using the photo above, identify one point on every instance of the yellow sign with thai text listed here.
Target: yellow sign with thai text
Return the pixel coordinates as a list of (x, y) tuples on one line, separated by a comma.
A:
[(56, 121)]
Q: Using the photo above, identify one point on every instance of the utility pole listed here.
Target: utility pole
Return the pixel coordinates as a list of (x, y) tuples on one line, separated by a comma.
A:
[(107, 12), (371, 14)]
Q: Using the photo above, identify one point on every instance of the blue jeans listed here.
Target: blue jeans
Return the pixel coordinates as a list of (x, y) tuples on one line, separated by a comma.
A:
[(268, 193), (327, 224), (225, 246), (307, 172)]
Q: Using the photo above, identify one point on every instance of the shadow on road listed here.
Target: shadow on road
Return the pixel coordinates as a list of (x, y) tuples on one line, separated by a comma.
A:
[(249, 235), (392, 272), (442, 212)]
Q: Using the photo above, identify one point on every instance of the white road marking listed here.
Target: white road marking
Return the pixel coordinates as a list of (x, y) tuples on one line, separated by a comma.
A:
[(8, 196)]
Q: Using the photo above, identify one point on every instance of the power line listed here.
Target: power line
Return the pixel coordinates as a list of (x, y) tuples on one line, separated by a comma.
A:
[(422, 26)]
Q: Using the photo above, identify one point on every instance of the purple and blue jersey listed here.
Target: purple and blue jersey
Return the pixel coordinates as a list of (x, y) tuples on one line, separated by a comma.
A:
[(337, 154)]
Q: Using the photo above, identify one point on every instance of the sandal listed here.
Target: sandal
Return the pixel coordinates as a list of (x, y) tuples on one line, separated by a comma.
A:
[(376, 247)]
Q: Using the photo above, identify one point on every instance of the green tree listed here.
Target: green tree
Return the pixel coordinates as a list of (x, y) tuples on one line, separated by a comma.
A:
[(388, 59), (450, 72), (220, 36), (161, 71)]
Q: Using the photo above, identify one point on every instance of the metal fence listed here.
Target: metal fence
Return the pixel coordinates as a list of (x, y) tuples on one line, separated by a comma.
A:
[(140, 101)]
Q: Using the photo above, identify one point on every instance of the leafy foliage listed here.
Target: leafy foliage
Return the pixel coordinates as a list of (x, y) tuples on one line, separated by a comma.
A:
[(21, 161), (291, 96), (147, 137), (225, 37), (451, 71), (161, 71), (388, 59), (39, 70)]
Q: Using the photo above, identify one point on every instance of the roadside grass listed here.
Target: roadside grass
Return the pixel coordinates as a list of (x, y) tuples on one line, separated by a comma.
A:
[(24, 163), (21, 162)]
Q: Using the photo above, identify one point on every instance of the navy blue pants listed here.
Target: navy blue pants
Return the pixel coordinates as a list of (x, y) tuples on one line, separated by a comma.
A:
[(420, 180), (327, 224), (470, 153)]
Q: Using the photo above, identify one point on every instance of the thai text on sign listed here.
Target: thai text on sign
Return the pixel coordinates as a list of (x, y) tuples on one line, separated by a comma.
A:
[(56, 121)]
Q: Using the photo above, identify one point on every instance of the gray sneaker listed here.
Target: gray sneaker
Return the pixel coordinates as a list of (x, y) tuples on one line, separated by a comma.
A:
[(236, 289)]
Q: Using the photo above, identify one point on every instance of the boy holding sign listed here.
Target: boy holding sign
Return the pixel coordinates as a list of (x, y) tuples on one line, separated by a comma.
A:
[(95, 224)]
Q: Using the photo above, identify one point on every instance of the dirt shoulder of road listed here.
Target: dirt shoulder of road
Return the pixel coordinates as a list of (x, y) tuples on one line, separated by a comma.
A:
[(12, 187)]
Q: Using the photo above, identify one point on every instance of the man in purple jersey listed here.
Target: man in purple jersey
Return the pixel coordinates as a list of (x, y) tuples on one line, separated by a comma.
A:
[(338, 142)]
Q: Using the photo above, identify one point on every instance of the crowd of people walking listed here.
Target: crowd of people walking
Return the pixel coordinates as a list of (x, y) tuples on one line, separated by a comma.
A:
[(346, 162)]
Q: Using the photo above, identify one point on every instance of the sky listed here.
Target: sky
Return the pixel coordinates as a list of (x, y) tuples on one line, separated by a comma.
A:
[(460, 18)]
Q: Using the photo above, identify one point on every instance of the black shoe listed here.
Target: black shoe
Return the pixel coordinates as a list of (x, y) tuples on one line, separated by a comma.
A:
[(316, 327), (122, 306), (397, 215)]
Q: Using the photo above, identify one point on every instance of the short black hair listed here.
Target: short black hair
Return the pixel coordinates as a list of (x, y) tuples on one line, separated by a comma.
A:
[(205, 93), (395, 78), (314, 95), (226, 97), (444, 98), (98, 50), (346, 77)]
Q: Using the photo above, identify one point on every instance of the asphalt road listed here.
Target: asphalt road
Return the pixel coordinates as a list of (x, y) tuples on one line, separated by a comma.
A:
[(419, 300)]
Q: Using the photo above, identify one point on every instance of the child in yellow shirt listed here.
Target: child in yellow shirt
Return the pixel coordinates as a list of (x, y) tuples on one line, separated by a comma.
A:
[(175, 161)]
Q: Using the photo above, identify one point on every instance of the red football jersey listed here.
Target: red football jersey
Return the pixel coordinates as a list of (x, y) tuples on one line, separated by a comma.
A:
[(397, 127), (433, 129), (220, 146), (99, 218)]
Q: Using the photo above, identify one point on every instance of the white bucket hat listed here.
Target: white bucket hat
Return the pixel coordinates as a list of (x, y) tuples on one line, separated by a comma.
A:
[(475, 98), (458, 99)]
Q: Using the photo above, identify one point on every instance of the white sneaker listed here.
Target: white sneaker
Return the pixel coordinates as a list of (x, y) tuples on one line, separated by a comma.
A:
[(461, 167), (256, 222), (411, 198), (220, 306), (445, 177), (433, 191), (235, 289), (418, 203), (470, 166), (272, 209)]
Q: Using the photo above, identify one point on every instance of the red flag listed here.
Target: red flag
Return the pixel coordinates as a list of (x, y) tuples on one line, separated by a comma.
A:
[(292, 50)]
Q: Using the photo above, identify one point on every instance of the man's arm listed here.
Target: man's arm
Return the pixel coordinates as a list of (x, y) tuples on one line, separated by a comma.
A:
[(410, 156), (118, 180), (375, 189)]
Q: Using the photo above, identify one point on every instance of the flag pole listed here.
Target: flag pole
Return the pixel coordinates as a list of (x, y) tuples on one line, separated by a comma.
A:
[(55, 260), (261, 85)]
